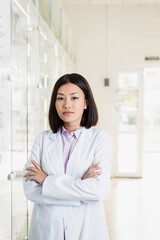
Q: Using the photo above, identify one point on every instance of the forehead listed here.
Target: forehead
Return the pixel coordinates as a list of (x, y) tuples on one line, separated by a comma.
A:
[(69, 88)]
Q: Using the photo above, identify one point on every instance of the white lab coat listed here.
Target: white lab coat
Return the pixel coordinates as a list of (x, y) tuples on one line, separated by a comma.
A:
[(65, 201)]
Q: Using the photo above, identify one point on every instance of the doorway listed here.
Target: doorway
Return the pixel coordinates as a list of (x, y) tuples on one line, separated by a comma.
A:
[(137, 121), (128, 118), (151, 122)]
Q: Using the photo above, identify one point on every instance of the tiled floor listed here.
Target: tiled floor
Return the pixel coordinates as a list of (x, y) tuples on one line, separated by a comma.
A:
[(133, 209)]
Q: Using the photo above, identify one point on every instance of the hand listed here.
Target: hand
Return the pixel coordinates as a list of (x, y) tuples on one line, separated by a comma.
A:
[(36, 173), (91, 172)]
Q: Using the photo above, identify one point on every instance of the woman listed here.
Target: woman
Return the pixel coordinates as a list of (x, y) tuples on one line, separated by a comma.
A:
[(68, 173)]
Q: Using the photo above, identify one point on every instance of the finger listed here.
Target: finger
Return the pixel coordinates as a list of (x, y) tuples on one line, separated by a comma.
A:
[(93, 169), (95, 164), (36, 164), (30, 174), (95, 174), (31, 169), (29, 178), (92, 176), (97, 168)]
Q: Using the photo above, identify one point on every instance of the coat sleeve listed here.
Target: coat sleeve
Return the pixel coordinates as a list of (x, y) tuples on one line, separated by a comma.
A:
[(33, 190), (91, 189)]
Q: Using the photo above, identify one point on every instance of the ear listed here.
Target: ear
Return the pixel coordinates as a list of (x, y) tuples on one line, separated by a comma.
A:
[(86, 104)]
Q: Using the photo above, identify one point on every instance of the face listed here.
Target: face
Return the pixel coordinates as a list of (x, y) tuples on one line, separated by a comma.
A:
[(70, 104)]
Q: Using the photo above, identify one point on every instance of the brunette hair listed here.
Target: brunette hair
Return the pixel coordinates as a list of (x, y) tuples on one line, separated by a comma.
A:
[(90, 115)]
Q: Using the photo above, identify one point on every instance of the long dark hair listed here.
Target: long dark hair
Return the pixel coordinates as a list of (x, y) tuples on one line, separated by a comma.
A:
[(90, 115)]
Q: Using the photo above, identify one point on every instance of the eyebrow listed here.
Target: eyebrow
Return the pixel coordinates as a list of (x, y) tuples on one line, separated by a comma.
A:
[(70, 94)]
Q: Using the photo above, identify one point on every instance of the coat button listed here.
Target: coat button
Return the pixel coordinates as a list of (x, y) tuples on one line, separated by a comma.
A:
[(68, 227)]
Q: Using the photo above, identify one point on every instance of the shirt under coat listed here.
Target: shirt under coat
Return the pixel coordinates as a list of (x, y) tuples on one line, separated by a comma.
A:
[(69, 140)]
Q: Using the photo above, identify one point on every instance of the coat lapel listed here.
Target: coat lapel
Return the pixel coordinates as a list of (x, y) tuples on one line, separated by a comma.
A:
[(54, 150)]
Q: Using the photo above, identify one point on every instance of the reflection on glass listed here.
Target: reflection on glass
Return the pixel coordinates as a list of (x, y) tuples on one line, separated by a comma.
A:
[(128, 121), (5, 121), (127, 100), (44, 10), (128, 80), (47, 69), (64, 31), (127, 153), (19, 116), (56, 19), (5, 155)]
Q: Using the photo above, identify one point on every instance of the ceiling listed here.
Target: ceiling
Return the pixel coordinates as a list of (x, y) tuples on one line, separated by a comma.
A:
[(109, 2)]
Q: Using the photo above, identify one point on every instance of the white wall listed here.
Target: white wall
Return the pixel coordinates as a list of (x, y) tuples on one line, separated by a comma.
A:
[(109, 36), (89, 26), (134, 32)]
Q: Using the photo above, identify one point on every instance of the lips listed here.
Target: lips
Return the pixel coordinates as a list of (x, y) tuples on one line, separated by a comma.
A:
[(67, 113)]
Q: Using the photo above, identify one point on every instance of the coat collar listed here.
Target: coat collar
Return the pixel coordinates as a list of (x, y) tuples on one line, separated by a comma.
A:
[(52, 135)]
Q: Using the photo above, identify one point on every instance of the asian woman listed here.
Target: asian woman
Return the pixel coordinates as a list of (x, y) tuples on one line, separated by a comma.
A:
[(67, 175)]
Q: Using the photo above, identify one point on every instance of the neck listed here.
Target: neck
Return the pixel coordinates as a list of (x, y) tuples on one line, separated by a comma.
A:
[(70, 128)]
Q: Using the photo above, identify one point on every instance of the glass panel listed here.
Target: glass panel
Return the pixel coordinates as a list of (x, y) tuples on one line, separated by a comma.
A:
[(5, 121), (127, 100), (152, 110), (56, 19), (19, 116), (64, 31), (128, 80), (58, 56), (33, 105), (127, 153), (33, 2), (128, 122), (71, 44), (46, 73), (44, 10), (37, 61), (5, 155), (33, 77)]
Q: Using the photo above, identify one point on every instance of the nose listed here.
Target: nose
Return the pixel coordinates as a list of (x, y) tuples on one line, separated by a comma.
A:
[(67, 104)]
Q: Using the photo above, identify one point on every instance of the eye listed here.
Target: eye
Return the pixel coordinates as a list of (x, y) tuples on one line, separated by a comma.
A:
[(74, 98), (59, 98)]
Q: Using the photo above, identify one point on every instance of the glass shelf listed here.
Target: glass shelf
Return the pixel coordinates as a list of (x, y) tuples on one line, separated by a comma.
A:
[(37, 61)]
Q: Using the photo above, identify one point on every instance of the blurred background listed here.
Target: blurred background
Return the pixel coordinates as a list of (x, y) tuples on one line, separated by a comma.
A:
[(115, 45)]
